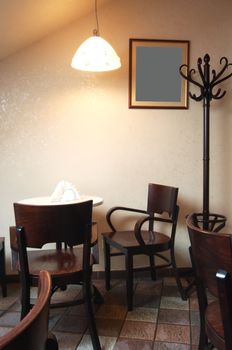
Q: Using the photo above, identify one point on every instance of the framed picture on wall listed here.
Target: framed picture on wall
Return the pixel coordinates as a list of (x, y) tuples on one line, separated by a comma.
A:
[(154, 78)]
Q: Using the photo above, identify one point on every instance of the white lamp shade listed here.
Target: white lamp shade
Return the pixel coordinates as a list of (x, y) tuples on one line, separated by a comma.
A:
[(95, 55)]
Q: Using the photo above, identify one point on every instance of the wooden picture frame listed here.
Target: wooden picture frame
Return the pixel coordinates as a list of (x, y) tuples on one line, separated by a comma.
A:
[(154, 78)]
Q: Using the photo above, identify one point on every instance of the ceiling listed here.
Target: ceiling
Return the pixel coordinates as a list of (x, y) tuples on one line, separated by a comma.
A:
[(23, 22)]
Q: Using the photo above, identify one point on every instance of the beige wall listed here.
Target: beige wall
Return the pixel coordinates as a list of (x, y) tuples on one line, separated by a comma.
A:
[(57, 123)]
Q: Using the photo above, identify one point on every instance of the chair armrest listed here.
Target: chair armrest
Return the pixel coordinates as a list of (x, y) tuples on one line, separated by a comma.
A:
[(140, 222), (114, 209)]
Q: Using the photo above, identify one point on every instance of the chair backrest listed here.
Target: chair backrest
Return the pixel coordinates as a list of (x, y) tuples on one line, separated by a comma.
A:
[(210, 252), (68, 223), (32, 331), (161, 199)]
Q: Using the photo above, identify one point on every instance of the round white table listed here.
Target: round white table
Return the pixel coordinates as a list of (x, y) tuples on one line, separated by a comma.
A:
[(46, 200)]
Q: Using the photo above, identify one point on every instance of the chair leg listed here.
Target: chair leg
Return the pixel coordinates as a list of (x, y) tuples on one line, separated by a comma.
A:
[(51, 343), (2, 268), (129, 280), (152, 267), (182, 291), (107, 263), (97, 297), (25, 298), (90, 314), (203, 339), (202, 302), (25, 306)]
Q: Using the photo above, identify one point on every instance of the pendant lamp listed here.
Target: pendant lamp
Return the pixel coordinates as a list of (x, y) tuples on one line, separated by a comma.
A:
[(95, 54)]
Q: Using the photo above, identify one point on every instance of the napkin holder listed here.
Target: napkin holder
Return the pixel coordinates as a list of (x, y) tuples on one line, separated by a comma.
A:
[(64, 192)]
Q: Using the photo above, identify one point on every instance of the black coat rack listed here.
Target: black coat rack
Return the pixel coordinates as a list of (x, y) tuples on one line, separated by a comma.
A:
[(208, 81)]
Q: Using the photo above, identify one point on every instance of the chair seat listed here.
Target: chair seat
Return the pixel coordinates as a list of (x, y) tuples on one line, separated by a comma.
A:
[(57, 262), (214, 325), (128, 240)]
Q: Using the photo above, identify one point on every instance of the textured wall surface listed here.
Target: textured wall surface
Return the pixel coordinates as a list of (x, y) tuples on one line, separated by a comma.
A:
[(57, 123)]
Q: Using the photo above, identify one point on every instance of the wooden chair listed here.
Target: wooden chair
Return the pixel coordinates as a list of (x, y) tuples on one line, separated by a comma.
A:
[(211, 255), (162, 209), (69, 262), (32, 331)]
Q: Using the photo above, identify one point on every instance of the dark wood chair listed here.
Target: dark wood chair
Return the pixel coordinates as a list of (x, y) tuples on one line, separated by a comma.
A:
[(211, 255), (145, 238), (68, 226), (32, 331)]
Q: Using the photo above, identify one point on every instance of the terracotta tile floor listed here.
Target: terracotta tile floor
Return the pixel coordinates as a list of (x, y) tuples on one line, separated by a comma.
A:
[(160, 319)]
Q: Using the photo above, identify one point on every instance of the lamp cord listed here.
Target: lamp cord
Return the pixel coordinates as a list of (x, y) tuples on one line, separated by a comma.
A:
[(96, 31)]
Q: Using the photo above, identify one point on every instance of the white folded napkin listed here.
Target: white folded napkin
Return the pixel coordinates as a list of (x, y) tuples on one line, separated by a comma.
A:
[(64, 192)]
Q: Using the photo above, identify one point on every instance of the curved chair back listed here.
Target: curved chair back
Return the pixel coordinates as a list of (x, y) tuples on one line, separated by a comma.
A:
[(58, 223), (32, 331), (210, 251), (161, 199), (211, 255)]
